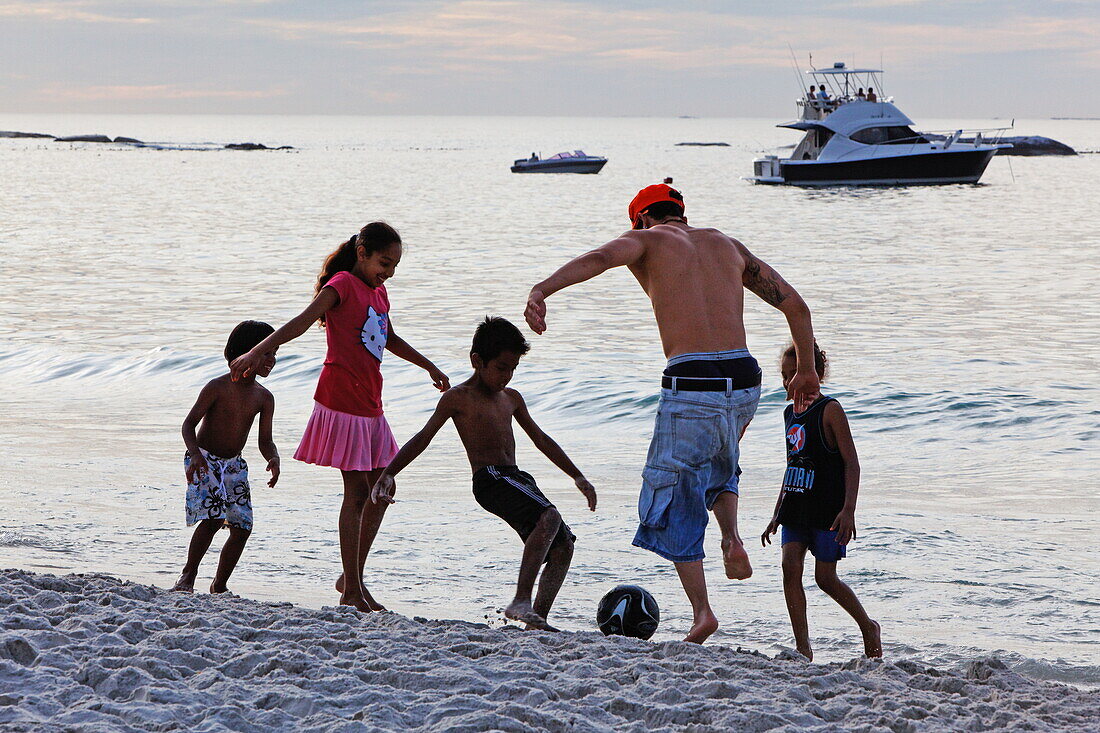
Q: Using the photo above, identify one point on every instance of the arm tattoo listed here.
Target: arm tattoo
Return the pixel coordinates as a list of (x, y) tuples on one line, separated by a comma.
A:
[(767, 286)]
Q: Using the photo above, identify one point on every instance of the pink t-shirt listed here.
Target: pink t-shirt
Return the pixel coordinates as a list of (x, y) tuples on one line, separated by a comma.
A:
[(356, 329)]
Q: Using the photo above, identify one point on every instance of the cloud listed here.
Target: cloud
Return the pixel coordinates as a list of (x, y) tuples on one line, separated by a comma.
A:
[(64, 12), (152, 91), (493, 33)]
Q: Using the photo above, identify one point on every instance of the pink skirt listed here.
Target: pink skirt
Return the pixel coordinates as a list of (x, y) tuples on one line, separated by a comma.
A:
[(345, 441)]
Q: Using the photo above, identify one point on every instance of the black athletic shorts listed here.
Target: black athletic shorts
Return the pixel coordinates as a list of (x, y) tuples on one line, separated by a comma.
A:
[(512, 495)]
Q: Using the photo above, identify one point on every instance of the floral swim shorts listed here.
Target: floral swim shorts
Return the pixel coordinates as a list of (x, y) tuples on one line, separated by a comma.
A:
[(221, 493)]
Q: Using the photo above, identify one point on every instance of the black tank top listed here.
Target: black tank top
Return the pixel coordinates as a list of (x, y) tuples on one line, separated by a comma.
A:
[(813, 485)]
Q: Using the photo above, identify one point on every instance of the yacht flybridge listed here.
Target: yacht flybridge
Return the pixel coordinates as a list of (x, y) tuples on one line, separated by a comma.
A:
[(854, 138)]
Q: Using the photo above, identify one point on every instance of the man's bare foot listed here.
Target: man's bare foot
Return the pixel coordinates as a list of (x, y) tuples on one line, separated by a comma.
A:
[(215, 588), (186, 584), (704, 626), (340, 584), (872, 640), (358, 602), (806, 652), (736, 560), (523, 613)]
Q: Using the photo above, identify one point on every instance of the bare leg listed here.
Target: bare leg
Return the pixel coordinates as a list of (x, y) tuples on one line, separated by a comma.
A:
[(553, 575), (231, 553), (370, 521), (356, 496), (794, 554), (704, 622), (734, 556), (200, 543), (534, 552), (838, 590)]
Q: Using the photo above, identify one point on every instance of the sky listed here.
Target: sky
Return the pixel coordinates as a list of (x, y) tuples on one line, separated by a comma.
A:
[(962, 59)]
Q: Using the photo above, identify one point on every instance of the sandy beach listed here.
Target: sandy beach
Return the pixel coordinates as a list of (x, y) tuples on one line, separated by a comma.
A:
[(96, 653)]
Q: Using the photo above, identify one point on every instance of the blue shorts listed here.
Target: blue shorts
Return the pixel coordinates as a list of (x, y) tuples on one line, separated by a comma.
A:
[(692, 460), (821, 542)]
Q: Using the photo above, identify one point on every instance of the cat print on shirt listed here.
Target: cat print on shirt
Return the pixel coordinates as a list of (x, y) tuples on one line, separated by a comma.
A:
[(375, 332)]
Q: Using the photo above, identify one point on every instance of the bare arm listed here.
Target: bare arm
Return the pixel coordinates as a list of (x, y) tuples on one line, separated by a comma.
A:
[(839, 433), (551, 449), (384, 485), (202, 405), (292, 329), (624, 250), (400, 348), (769, 286), (267, 445)]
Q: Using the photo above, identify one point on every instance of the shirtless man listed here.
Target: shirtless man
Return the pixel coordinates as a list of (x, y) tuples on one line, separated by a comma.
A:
[(482, 408), (695, 279)]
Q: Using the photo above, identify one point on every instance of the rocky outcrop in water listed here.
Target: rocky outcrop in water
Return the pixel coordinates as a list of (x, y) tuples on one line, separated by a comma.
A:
[(706, 145), (129, 140), (255, 146), (16, 133), (85, 139)]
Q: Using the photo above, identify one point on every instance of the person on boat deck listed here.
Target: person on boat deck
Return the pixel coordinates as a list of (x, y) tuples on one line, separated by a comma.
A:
[(534, 158), (860, 95), (871, 95), (812, 94)]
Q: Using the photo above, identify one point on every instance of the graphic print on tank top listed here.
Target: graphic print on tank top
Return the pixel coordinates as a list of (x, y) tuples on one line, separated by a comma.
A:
[(799, 477), (375, 332)]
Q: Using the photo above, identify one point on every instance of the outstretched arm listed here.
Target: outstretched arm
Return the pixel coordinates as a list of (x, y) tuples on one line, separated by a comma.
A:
[(384, 485), (625, 250), (769, 285), (245, 364), (839, 433), (399, 347), (552, 450)]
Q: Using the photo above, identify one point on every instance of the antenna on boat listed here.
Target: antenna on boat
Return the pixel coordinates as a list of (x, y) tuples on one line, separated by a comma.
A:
[(794, 63)]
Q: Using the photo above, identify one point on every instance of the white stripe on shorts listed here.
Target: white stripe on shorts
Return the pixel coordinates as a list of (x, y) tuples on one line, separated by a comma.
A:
[(542, 500)]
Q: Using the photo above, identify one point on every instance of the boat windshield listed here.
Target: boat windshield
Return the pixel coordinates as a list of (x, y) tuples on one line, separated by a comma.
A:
[(567, 154)]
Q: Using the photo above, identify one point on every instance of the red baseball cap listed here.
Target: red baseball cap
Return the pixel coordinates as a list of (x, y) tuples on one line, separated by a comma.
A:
[(655, 194)]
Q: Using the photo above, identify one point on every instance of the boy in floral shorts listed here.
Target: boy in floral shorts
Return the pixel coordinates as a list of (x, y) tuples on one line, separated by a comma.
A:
[(217, 475)]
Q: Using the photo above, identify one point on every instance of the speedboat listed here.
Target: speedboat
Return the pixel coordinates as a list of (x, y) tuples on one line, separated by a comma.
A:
[(574, 162), (856, 139)]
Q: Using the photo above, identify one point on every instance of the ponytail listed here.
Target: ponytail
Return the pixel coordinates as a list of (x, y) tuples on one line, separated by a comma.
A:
[(373, 237)]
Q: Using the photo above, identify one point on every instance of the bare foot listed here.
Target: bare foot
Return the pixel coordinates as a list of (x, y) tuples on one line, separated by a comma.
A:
[(872, 640), (736, 560), (186, 584), (524, 613), (358, 602), (374, 605), (806, 652), (703, 628), (214, 588)]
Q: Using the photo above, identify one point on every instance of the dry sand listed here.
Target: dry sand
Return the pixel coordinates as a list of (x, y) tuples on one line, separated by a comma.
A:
[(94, 653)]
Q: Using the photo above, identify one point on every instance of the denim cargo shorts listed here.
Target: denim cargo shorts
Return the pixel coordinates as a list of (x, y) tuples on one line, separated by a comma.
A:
[(692, 459)]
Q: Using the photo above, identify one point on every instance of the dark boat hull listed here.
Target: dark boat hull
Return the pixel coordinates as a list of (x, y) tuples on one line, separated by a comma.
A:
[(580, 166), (901, 170)]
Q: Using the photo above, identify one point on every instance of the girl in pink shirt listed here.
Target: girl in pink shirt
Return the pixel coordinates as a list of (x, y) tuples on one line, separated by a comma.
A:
[(347, 429)]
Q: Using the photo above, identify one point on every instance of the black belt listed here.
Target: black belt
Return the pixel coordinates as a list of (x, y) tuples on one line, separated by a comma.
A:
[(706, 384)]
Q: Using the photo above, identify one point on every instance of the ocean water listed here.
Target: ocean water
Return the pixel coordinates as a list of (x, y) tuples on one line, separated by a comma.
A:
[(960, 321)]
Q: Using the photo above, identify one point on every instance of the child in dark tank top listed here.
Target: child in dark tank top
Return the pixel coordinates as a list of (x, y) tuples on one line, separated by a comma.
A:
[(816, 507)]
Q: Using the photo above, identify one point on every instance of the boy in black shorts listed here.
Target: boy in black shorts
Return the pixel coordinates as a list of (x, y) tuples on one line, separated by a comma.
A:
[(482, 408)]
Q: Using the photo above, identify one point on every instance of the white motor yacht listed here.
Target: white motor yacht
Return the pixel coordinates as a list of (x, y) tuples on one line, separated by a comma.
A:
[(861, 140)]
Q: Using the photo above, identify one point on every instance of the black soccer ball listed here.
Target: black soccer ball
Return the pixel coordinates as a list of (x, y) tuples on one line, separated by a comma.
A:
[(628, 610)]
